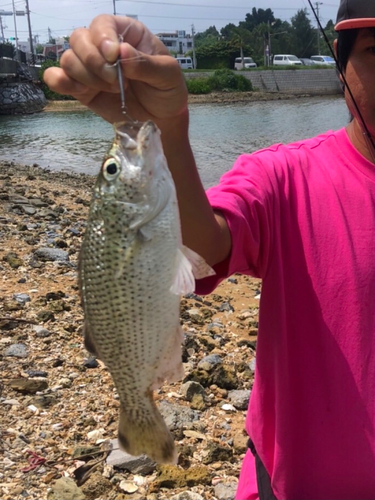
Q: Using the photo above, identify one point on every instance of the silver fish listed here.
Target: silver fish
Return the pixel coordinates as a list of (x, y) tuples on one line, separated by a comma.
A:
[(133, 269)]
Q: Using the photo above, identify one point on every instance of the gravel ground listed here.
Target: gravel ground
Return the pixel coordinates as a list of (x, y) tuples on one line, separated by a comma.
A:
[(58, 405)]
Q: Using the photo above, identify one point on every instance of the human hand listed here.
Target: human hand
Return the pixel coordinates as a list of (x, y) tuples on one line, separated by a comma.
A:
[(154, 85)]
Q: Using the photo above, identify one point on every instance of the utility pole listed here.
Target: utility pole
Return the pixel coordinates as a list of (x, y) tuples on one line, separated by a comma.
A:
[(2, 29), (15, 30), (114, 7), (317, 28), (193, 46), (30, 33)]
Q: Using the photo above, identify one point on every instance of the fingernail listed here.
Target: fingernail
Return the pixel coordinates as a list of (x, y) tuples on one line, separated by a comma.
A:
[(110, 50)]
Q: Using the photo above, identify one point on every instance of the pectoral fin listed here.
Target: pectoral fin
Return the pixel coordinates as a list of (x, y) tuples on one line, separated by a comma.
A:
[(190, 266)]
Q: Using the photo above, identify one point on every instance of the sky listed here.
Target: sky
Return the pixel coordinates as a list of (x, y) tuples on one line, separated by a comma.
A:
[(63, 16)]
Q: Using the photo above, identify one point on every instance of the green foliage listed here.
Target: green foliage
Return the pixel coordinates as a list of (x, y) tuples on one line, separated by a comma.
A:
[(51, 96), (198, 86), (227, 80)]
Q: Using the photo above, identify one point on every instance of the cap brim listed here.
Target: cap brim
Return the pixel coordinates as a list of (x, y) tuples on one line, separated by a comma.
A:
[(348, 24)]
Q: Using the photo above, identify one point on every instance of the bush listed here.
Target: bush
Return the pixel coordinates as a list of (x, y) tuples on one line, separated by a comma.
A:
[(198, 86), (52, 96), (227, 80)]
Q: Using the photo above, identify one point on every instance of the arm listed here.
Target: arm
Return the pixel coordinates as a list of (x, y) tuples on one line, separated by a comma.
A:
[(155, 90)]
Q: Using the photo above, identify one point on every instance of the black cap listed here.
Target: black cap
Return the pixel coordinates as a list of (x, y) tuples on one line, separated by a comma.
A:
[(355, 14)]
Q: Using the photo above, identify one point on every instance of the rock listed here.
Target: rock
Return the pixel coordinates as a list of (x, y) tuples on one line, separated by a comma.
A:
[(239, 399), (46, 254), (225, 377), (45, 316), (65, 489), (136, 465), (225, 491), (97, 486), (187, 495), (226, 307), (22, 298), (172, 476), (36, 373), (13, 260), (28, 386), (209, 362), (190, 389), (91, 363), (177, 416), (41, 332), (17, 351), (217, 453), (198, 402)]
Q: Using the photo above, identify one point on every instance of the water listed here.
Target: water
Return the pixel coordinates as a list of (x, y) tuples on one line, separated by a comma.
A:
[(77, 141)]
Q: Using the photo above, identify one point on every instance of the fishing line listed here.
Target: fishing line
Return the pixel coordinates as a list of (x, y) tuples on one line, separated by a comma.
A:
[(366, 131)]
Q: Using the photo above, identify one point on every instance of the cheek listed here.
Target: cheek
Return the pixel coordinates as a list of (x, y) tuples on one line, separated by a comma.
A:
[(362, 91)]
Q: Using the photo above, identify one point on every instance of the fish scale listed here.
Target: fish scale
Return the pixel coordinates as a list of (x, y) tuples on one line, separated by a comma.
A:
[(133, 269)]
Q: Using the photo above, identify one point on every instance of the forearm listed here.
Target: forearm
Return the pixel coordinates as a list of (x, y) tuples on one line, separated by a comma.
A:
[(202, 230)]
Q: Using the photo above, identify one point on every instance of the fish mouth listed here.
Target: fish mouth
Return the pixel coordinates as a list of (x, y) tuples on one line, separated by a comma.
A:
[(131, 134)]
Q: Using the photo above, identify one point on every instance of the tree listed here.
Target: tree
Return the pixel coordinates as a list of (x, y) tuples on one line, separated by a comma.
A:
[(303, 35), (257, 16)]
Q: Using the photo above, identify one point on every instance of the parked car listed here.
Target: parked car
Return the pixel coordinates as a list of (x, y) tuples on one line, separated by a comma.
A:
[(185, 62), (306, 61), (248, 62), (286, 60), (328, 60)]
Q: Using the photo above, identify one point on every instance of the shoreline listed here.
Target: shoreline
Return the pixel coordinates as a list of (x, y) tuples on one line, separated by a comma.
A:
[(212, 98)]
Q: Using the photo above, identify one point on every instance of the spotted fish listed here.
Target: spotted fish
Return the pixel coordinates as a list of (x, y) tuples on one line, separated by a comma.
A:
[(133, 270)]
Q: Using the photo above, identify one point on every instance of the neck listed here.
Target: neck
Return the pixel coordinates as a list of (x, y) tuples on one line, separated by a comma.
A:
[(361, 141)]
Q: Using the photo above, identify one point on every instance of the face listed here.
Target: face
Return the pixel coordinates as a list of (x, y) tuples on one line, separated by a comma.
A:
[(360, 77)]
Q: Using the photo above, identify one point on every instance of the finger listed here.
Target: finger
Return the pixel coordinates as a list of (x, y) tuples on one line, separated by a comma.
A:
[(159, 71), (106, 29), (58, 81), (77, 70), (86, 51)]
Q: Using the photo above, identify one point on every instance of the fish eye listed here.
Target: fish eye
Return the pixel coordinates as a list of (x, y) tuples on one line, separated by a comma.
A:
[(110, 169)]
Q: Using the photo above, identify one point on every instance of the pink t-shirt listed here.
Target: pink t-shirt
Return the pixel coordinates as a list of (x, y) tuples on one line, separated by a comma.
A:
[(302, 218)]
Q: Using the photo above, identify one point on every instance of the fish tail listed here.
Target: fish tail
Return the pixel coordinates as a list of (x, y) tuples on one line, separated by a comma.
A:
[(146, 433)]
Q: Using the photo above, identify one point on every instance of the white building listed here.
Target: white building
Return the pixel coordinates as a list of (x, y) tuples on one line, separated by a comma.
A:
[(178, 42)]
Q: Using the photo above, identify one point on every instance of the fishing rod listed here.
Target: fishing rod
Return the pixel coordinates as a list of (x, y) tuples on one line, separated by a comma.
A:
[(366, 131)]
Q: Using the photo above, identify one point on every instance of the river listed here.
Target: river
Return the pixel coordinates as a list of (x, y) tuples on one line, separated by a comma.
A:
[(77, 141)]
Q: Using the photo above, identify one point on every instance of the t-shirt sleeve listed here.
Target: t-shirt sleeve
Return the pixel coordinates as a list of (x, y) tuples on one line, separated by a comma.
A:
[(246, 198)]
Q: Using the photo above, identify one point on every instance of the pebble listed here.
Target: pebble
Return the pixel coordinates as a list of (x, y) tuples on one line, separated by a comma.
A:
[(22, 298), (209, 362), (46, 254), (91, 363), (225, 491), (239, 398), (187, 495), (122, 460), (17, 351)]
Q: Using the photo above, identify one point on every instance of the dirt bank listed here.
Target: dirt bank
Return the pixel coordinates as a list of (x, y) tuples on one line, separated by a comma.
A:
[(214, 97)]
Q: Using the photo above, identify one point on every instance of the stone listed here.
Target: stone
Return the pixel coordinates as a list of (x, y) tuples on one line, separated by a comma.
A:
[(46, 254), (17, 351), (177, 416), (187, 495), (28, 386), (136, 465), (65, 489), (209, 362), (96, 486), (22, 298), (239, 398), (172, 476), (217, 453), (13, 260), (190, 389), (225, 491)]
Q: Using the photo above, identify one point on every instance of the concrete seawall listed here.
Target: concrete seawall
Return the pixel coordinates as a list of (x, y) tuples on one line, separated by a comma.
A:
[(293, 81)]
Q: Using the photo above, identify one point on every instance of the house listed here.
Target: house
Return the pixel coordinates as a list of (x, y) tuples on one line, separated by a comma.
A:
[(178, 42)]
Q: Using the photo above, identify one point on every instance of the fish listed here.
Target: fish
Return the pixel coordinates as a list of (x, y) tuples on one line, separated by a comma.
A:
[(133, 270)]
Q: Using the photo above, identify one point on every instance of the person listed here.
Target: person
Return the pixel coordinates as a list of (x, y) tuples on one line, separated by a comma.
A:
[(299, 216)]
